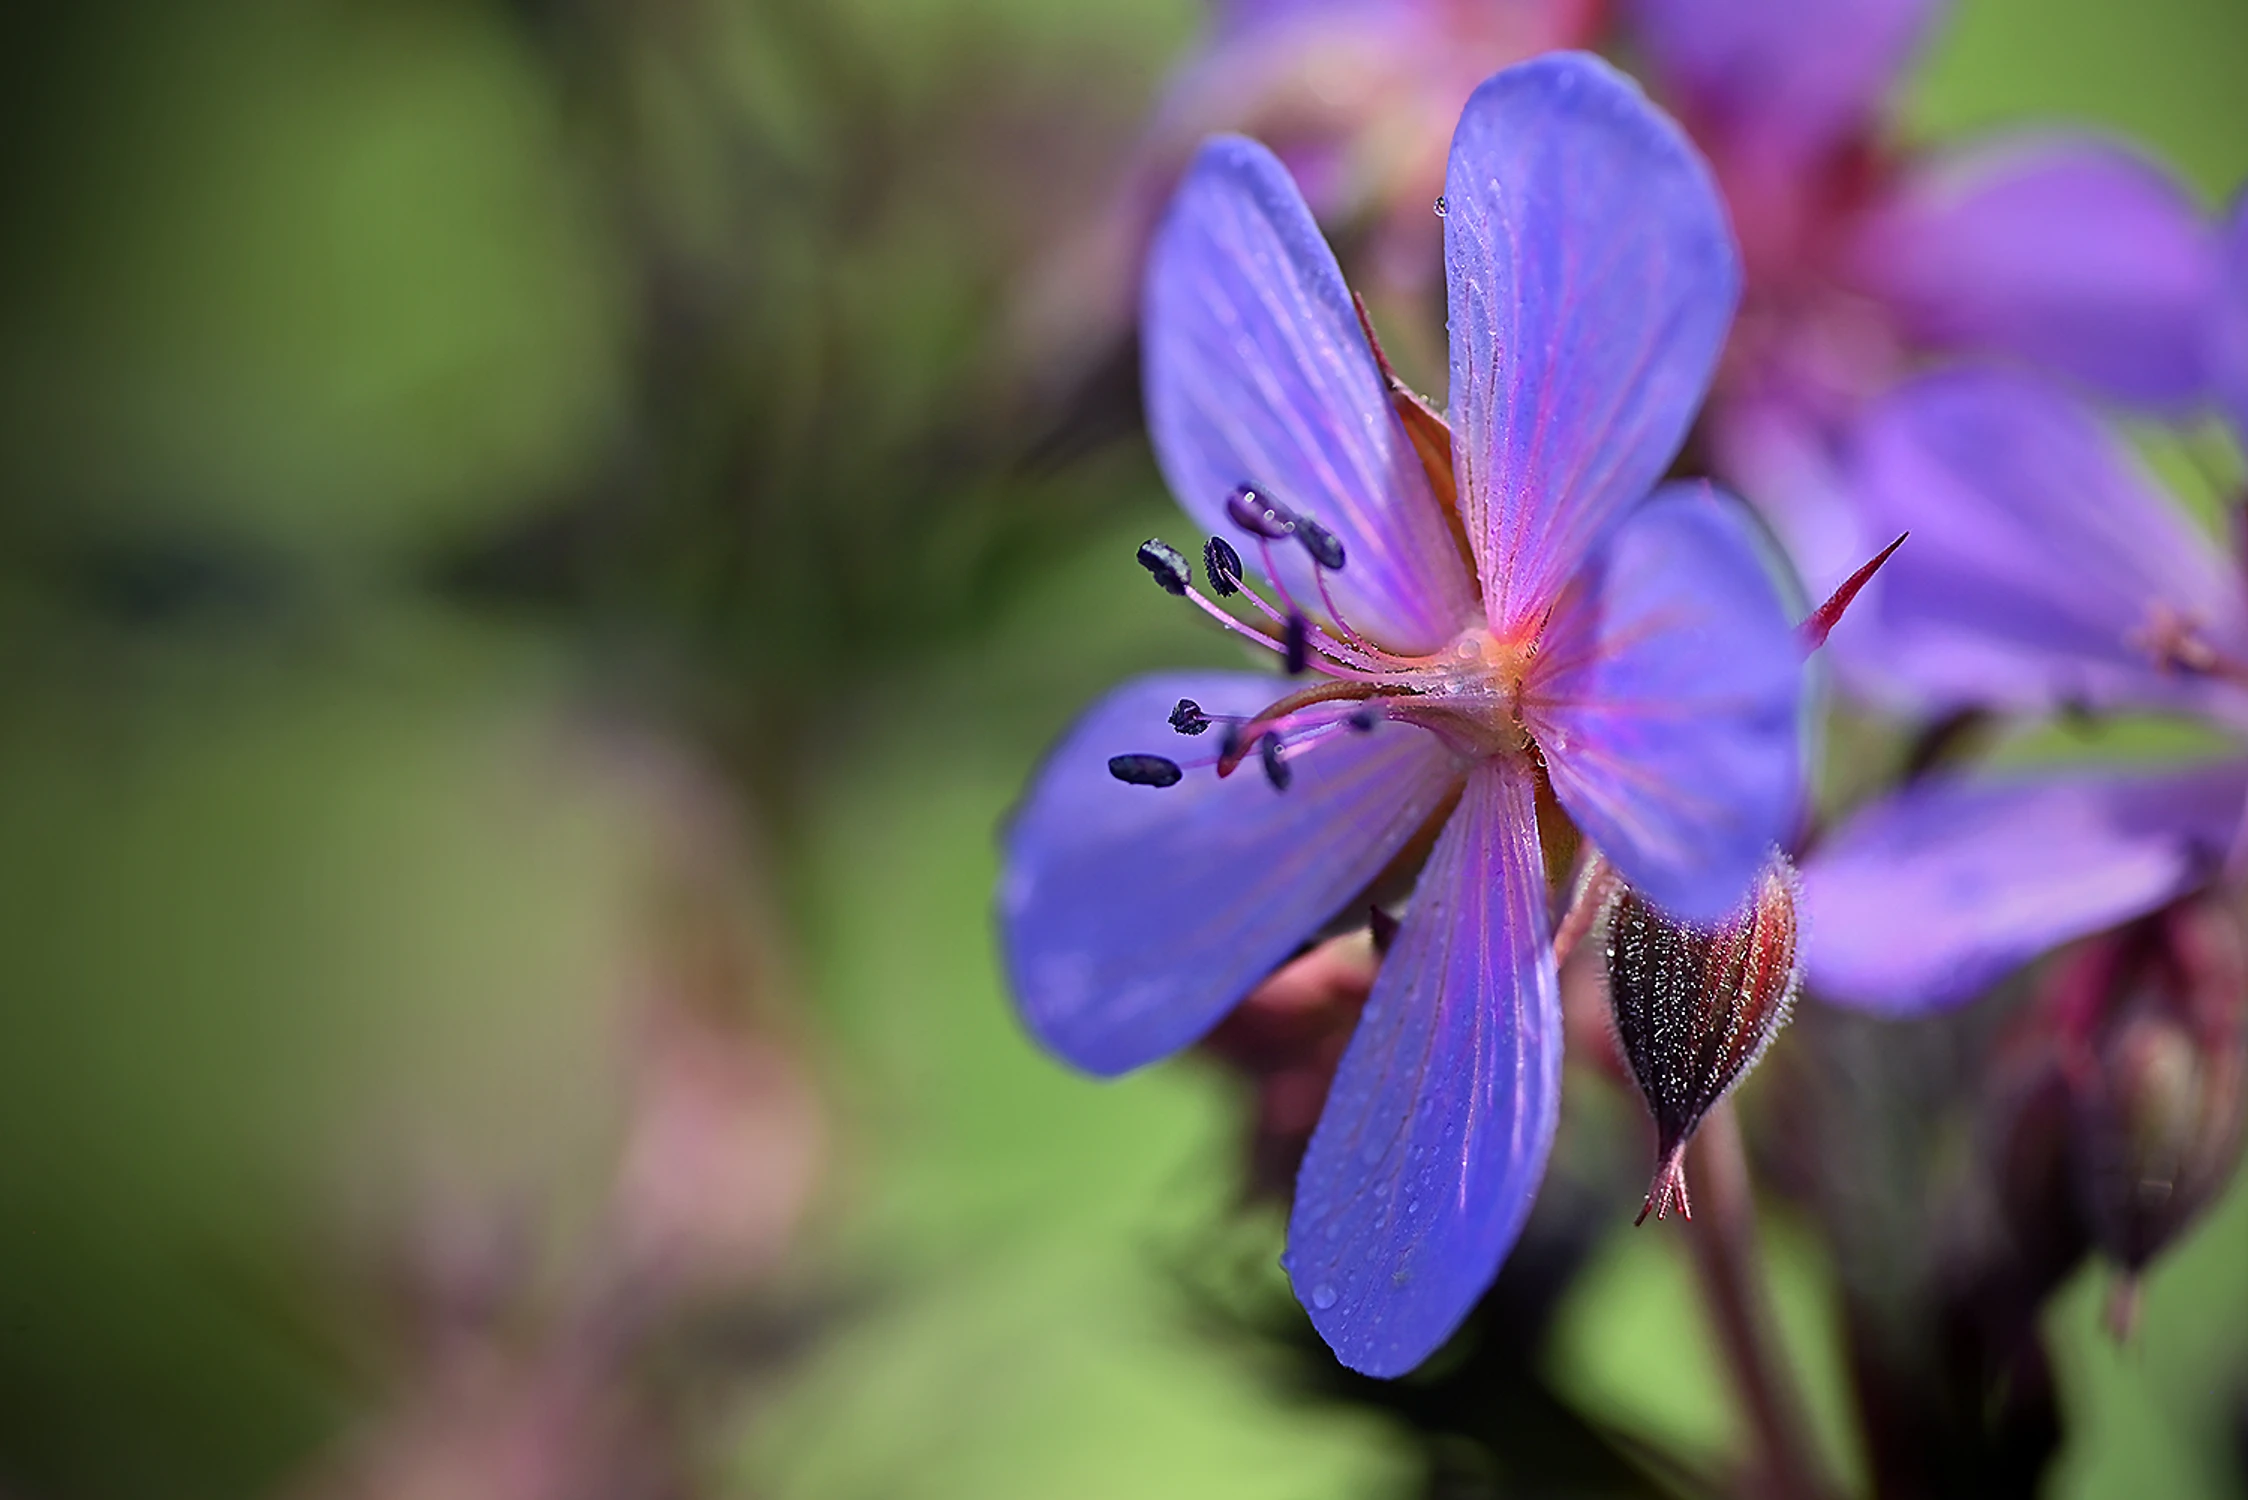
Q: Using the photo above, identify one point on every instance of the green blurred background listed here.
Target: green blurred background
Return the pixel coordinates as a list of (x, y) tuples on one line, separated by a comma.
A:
[(521, 519)]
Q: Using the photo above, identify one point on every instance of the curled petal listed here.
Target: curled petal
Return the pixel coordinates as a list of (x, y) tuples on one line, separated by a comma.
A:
[(2075, 256), (2229, 357), (1932, 895), (1667, 700), (1436, 1131), (1792, 75), (1133, 917), (1257, 373), (2043, 563), (1592, 279)]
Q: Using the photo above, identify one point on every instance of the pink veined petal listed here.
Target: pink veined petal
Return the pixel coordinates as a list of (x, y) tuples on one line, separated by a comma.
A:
[(2229, 354), (1132, 918), (1435, 1135), (1592, 280), (1788, 76), (2075, 256), (2041, 554), (1932, 895), (1257, 373), (1667, 699)]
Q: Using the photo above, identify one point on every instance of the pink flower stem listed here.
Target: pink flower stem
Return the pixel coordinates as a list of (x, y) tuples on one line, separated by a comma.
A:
[(1730, 1266)]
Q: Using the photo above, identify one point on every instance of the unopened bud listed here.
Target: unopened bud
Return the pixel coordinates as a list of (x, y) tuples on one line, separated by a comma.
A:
[(1695, 1006), (2159, 1108)]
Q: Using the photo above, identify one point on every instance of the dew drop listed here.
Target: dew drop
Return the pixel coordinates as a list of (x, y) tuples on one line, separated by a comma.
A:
[(1442, 208), (1322, 1296)]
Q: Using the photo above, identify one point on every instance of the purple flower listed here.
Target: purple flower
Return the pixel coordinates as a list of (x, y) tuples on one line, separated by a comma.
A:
[(2046, 571), (2066, 254), (1628, 652)]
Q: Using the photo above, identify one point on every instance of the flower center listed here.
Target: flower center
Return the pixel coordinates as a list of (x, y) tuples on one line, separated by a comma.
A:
[(1471, 692)]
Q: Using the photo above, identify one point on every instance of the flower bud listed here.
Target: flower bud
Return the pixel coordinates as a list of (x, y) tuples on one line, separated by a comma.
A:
[(2158, 1097), (1695, 1007)]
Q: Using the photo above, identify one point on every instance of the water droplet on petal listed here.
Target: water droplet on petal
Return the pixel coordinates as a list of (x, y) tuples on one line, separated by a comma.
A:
[(1323, 1296), (1442, 208)]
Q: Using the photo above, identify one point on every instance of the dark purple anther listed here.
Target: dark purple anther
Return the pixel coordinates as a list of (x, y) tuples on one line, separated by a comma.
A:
[(1325, 547), (1223, 564), (1695, 1007), (1144, 770), (1260, 515), (1188, 718), (1168, 565), (1275, 769), (1296, 645)]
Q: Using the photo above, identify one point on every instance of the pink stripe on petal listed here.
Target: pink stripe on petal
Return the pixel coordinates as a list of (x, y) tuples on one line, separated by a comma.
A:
[(1667, 698), (1257, 373), (1434, 1140), (1592, 281), (1133, 917)]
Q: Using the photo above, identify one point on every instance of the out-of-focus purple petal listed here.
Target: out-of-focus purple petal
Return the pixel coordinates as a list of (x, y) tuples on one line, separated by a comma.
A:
[(1782, 75), (1934, 894), (2229, 356), (1435, 1134), (1257, 373), (1667, 699), (1592, 280), (1233, 18), (2075, 256), (1467, 21), (1782, 460), (1134, 917), (2041, 553)]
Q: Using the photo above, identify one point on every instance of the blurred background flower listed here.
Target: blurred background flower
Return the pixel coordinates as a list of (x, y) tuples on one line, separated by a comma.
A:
[(535, 556)]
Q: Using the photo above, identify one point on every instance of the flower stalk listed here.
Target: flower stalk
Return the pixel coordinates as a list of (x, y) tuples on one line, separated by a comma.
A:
[(1729, 1265)]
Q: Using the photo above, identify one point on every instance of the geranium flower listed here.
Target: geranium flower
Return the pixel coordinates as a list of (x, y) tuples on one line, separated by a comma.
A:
[(2047, 571), (1558, 630), (2067, 254)]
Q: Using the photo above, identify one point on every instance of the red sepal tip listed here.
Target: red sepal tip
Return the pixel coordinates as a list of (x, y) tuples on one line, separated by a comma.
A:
[(1822, 620)]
